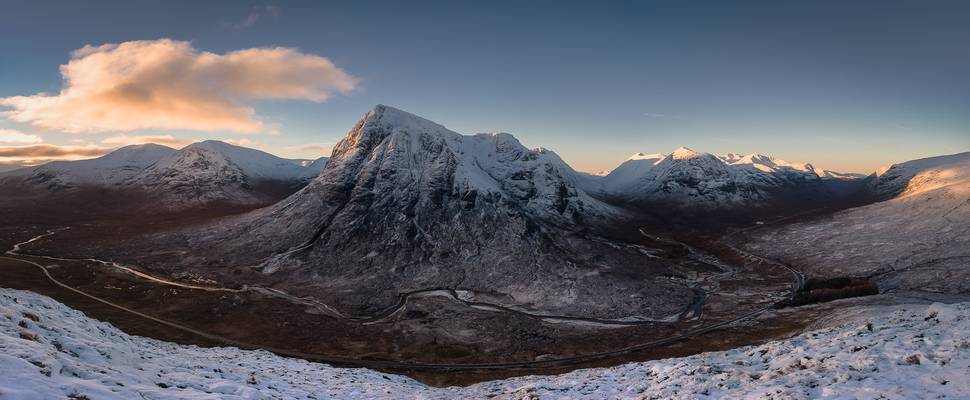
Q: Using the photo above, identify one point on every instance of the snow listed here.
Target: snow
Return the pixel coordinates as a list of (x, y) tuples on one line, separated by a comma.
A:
[(489, 163), (110, 169), (690, 178), (925, 174), (208, 170), (833, 175), (683, 153), (643, 156), (919, 239), (911, 351)]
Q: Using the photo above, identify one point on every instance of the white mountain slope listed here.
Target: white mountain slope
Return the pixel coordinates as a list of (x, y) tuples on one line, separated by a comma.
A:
[(406, 204), (693, 179), (197, 174), (112, 169), (217, 171), (918, 239), (916, 351)]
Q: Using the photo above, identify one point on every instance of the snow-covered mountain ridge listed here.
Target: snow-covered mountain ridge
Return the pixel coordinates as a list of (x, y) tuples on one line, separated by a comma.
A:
[(196, 174), (918, 239), (914, 351), (406, 204), (692, 179)]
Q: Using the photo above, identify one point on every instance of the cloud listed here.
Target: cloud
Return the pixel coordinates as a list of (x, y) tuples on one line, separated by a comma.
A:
[(168, 84), (654, 115), (15, 137), (38, 153), (165, 140), (254, 15), (313, 148)]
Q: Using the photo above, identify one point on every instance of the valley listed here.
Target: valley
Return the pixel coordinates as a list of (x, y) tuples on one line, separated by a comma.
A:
[(449, 258), (398, 339)]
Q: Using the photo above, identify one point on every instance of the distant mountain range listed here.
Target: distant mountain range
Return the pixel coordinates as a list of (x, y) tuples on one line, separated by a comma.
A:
[(196, 175), (405, 204)]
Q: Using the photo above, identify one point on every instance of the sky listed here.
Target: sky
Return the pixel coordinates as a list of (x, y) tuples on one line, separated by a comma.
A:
[(845, 85)]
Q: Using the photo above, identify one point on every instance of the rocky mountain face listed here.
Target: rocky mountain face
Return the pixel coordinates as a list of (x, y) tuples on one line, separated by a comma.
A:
[(917, 239), (199, 174), (406, 204), (690, 180)]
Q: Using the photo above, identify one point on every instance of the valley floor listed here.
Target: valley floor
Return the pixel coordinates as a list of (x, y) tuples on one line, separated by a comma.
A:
[(48, 350)]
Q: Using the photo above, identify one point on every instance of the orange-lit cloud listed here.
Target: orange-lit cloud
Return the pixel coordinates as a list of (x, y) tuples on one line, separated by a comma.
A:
[(164, 140), (168, 84), (39, 153), (15, 137), (314, 148)]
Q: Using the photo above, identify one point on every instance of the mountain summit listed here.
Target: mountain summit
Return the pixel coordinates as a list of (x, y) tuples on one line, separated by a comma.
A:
[(199, 174), (690, 180), (406, 204)]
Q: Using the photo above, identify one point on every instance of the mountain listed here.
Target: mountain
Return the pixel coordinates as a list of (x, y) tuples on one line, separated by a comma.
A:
[(199, 174), (917, 239), (406, 204), (687, 179), (626, 176), (9, 167), (112, 169), (211, 171), (919, 175), (314, 166)]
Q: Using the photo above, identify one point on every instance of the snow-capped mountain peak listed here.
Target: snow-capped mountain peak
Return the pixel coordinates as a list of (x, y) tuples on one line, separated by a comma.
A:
[(696, 179), (110, 169), (644, 156), (731, 157), (194, 175), (683, 153)]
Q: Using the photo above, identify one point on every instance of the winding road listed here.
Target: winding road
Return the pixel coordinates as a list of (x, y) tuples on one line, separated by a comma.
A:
[(14, 255)]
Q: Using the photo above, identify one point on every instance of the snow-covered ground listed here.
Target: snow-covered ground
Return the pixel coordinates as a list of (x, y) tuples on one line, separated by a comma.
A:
[(919, 239), (48, 350)]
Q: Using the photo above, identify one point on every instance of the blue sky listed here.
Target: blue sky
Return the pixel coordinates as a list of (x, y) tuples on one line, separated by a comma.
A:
[(845, 85)]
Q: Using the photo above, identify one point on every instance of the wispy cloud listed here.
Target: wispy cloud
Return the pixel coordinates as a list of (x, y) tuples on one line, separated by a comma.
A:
[(168, 84), (165, 140), (255, 14), (14, 137), (320, 149), (39, 153), (664, 115)]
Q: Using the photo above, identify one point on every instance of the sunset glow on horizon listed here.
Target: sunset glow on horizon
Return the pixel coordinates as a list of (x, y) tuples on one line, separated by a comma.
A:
[(847, 87)]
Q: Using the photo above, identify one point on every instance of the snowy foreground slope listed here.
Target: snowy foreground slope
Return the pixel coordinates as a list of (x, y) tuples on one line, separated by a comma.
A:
[(48, 350)]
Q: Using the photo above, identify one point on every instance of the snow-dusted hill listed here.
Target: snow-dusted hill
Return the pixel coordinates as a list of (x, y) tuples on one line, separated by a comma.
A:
[(406, 204), (690, 179), (197, 174), (313, 167), (112, 169), (916, 351), (918, 239), (212, 171)]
